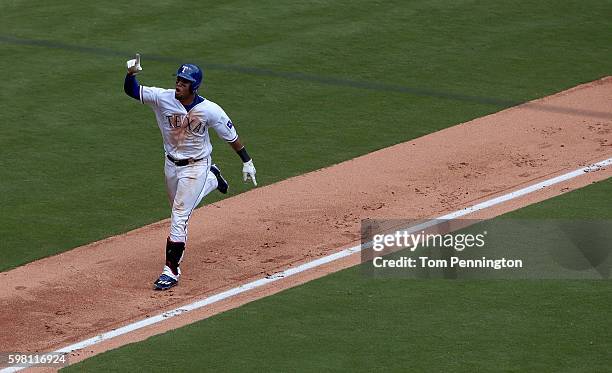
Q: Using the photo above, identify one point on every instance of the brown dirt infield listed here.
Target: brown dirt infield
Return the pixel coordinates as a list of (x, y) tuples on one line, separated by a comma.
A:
[(69, 297)]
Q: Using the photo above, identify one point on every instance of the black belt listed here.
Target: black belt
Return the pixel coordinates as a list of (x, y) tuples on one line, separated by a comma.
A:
[(182, 162)]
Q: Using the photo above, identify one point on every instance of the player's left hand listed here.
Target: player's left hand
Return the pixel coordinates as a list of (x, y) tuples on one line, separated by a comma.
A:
[(133, 66), (248, 171)]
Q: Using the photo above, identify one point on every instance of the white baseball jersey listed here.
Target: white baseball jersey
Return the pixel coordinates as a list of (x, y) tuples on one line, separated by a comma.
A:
[(185, 134)]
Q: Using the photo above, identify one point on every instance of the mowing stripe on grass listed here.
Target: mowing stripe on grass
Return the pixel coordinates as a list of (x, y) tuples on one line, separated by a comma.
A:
[(316, 263), (300, 76)]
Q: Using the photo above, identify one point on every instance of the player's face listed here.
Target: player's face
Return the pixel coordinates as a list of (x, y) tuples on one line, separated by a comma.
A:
[(181, 89)]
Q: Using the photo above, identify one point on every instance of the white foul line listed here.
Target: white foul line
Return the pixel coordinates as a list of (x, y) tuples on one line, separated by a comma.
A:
[(315, 263)]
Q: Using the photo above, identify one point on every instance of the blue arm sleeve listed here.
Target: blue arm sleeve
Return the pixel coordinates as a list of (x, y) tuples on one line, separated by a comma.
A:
[(131, 86)]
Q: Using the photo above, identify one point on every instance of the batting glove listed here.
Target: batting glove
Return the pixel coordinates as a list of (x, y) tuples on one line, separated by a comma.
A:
[(248, 171), (133, 66)]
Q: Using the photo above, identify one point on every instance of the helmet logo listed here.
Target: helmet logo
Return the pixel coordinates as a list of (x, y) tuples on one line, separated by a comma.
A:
[(184, 68)]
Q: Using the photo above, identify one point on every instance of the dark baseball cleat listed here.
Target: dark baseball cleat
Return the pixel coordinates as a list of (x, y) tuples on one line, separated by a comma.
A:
[(165, 282), (223, 185)]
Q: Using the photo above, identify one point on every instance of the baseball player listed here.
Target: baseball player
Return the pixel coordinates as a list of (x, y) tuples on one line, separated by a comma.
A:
[(184, 117)]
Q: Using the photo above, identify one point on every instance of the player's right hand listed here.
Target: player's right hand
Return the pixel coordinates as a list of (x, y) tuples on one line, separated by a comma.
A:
[(133, 66)]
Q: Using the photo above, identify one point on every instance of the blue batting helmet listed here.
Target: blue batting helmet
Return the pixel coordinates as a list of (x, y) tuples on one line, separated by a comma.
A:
[(192, 73)]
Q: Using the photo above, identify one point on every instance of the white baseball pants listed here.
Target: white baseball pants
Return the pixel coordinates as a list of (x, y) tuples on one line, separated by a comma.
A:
[(186, 187)]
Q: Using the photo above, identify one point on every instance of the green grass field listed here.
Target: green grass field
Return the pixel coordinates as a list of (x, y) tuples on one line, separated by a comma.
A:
[(308, 85), (351, 322)]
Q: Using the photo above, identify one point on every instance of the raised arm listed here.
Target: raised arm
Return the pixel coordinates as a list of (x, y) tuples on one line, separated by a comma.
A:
[(130, 85)]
